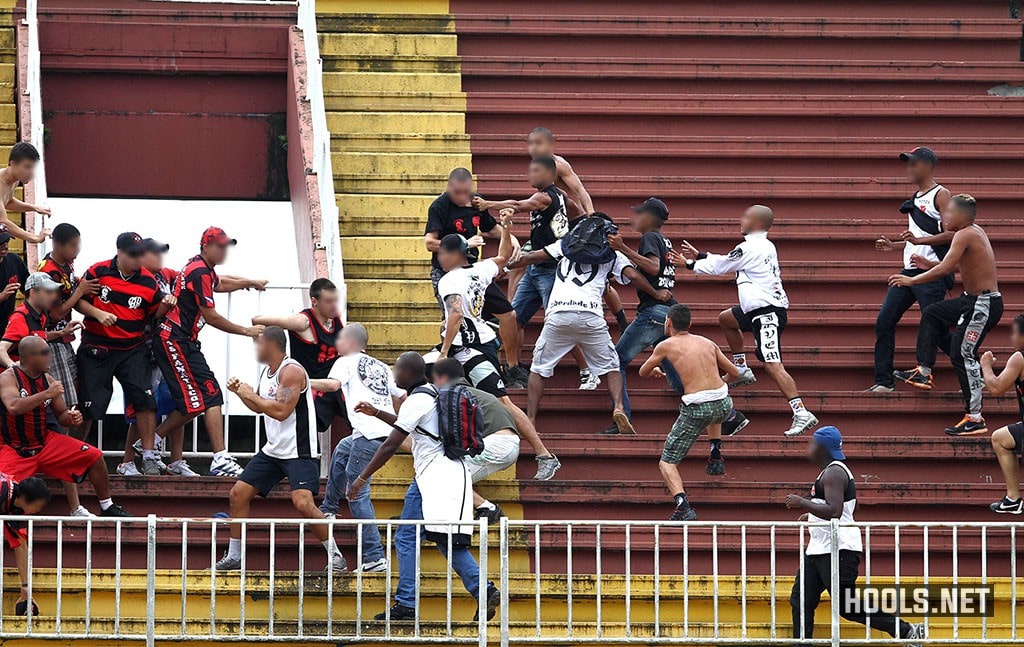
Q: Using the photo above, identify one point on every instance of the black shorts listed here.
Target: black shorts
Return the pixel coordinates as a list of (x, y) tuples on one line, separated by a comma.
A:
[(99, 366), (1017, 432), (328, 406), (495, 302), (265, 472), (767, 325), (193, 385)]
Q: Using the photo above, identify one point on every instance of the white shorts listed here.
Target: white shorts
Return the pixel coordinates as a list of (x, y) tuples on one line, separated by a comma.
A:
[(563, 331), (501, 451)]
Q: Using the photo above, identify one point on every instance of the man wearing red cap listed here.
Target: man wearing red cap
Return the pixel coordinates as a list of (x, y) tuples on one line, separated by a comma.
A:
[(193, 385)]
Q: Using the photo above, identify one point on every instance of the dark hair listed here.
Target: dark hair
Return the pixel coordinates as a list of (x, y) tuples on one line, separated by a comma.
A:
[(276, 335), (967, 203), (449, 368), (65, 232), (679, 315), (1018, 324), (23, 151), (32, 489), (545, 161), (544, 132), (318, 286), (460, 174)]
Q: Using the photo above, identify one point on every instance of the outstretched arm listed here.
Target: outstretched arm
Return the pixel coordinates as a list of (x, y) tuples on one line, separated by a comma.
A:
[(383, 454), (961, 241), (535, 202), (641, 283), (294, 322), (575, 187), (230, 283)]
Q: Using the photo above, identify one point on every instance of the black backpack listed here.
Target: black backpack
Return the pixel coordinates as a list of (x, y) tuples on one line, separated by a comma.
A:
[(460, 421), (587, 242)]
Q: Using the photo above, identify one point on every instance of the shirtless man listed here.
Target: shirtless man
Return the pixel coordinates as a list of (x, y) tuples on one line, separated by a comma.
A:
[(706, 402), (21, 167), (974, 313)]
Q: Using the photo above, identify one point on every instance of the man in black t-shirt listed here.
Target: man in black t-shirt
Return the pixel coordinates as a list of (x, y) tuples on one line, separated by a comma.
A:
[(453, 213), (13, 273)]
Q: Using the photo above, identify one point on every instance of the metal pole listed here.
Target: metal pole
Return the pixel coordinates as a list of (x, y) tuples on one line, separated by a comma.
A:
[(151, 580), (833, 528), (503, 578)]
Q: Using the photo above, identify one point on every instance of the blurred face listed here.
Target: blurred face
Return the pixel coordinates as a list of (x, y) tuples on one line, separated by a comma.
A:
[(918, 171), (215, 253), (404, 378), (36, 360), (23, 171), (30, 508), (70, 249), (954, 218), (750, 221), (326, 304), (450, 260), (345, 346), (44, 299), (540, 175), (152, 261), (3, 249), (644, 221), (1017, 337), (460, 192), (129, 262), (265, 350), (537, 145)]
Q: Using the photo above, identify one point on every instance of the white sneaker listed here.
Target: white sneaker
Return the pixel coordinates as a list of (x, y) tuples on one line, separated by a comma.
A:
[(158, 445), (338, 566), (378, 566), (803, 421), (329, 515), (226, 465), (746, 377), (181, 468), (589, 382), (128, 469), (81, 511)]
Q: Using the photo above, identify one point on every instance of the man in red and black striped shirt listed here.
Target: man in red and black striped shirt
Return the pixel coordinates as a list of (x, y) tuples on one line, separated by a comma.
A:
[(193, 385), (30, 446), (31, 318), (17, 498), (113, 343)]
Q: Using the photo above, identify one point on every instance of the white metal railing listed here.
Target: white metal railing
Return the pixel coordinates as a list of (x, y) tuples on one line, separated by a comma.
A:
[(589, 582)]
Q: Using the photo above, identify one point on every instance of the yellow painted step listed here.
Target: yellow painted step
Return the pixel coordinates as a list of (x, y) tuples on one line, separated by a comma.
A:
[(415, 183), (378, 6), (422, 23), (357, 44), (396, 122), (394, 64), (366, 99), (383, 247), (423, 83), (404, 225), (400, 143), (396, 290), (419, 336), (397, 164)]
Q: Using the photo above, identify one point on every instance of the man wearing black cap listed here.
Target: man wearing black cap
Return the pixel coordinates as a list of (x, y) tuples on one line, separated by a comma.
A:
[(13, 273), (193, 385), (113, 342), (924, 244)]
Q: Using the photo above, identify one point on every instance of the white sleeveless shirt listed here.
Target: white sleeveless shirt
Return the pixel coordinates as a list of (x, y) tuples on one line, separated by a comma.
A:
[(820, 542), (926, 203), (295, 436)]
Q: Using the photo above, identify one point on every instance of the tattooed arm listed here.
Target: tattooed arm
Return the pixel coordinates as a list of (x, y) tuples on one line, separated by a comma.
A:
[(452, 321), (292, 383)]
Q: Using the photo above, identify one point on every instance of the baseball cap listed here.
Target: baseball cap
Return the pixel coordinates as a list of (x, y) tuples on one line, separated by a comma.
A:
[(830, 438), (153, 245), (455, 243), (42, 281), (216, 236), (921, 153), (653, 205), (5, 237), (130, 242)]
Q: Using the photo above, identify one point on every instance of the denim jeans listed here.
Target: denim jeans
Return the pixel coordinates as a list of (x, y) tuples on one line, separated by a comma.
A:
[(533, 292), (351, 455), (646, 330), (897, 301), (461, 560)]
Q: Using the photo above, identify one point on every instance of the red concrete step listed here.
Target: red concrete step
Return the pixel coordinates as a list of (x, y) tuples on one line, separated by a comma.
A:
[(959, 9), (751, 457)]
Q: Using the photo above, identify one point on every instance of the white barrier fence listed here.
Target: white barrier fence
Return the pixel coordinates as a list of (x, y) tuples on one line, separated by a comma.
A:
[(150, 579)]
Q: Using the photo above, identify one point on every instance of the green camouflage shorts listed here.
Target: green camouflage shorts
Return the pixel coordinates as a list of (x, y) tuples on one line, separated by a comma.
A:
[(692, 420)]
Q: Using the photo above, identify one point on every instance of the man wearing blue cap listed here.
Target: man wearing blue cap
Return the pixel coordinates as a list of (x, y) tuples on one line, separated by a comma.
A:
[(833, 496)]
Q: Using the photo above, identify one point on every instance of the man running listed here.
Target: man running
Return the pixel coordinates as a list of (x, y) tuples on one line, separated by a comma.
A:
[(441, 491), (762, 309), (29, 445), (21, 168), (706, 402), (312, 338), (453, 213), (284, 398), (974, 313), (1008, 442), (467, 338), (834, 496), (924, 244), (193, 385), (360, 379)]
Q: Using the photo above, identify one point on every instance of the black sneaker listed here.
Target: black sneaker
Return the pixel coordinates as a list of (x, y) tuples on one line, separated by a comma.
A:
[(968, 427), (114, 511), (1008, 506), (493, 515), (684, 514), (914, 378), (610, 430), (511, 377), (716, 467), (493, 601), (398, 612), (520, 373), (734, 424)]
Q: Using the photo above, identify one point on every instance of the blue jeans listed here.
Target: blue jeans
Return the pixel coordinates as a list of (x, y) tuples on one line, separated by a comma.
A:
[(897, 301), (533, 292), (461, 560), (351, 455), (646, 330)]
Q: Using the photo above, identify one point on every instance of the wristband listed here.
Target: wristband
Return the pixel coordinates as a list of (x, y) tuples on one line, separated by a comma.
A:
[(690, 263)]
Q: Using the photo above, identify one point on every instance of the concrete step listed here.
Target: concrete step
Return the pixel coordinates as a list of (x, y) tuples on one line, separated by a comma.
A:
[(399, 143), (375, 163), (396, 122), (392, 82), (386, 44), (365, 99)]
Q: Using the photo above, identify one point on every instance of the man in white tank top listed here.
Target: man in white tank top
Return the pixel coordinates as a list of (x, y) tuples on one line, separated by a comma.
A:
[(833, 496), (285, 400), (923, 243)]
